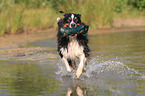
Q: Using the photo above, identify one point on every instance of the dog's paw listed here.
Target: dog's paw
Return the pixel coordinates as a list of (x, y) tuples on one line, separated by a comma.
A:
[(58, 19), (69, 69), (78, 73), (69, 91)]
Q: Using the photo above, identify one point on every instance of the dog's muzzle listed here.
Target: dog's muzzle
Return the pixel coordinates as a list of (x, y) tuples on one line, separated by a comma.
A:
[(73, 25)]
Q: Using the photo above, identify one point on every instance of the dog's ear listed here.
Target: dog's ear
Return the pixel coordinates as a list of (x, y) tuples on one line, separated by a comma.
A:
[(58, 19), (79, 15), (62, 12)]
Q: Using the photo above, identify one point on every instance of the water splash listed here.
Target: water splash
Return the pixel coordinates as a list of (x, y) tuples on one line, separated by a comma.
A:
[(110, 69), (111, 75)]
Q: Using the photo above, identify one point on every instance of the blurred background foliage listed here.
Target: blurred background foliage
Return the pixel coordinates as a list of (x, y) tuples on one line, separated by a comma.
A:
[(18, 16)]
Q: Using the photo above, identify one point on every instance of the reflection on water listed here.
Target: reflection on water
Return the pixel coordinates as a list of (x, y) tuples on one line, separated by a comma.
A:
[(116, 68), (76, 91)]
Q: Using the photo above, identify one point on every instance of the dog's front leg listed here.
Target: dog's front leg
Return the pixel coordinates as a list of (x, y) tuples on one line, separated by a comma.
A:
[(81, 65), (66, 64)]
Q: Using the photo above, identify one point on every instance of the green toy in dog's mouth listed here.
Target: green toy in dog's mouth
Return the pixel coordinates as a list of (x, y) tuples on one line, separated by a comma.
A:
[(66, 31)]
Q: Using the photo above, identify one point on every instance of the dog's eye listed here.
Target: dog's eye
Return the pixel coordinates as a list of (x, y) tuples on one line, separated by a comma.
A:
[(68, 20), (75, 20)]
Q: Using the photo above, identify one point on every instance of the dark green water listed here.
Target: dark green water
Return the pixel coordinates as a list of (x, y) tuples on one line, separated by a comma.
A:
[(116, 68)]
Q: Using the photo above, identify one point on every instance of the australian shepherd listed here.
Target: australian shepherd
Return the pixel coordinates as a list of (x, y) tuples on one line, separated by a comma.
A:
[(73, 46)]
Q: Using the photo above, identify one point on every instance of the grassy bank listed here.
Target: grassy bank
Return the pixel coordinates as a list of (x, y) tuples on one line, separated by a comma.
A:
[(19, 19), (18, 16)]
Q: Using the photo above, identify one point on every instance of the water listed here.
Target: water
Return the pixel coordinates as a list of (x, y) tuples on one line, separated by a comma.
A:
[(116, 68)]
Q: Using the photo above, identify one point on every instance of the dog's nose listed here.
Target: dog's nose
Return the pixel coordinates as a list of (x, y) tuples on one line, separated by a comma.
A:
[(73, 25)]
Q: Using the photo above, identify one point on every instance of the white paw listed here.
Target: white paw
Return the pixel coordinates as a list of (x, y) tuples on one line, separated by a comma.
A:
[(58, 19), (69, 69), (69, 91), (79, 91), (78, 73)]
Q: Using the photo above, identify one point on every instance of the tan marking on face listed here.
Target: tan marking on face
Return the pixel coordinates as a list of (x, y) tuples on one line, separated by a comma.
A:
[(66, 25), (78, 24)]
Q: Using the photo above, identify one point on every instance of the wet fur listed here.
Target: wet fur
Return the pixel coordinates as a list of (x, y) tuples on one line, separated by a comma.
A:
[(70, 47)]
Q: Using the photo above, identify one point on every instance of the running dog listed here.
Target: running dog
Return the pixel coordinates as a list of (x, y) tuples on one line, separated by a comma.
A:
[(73, 46)]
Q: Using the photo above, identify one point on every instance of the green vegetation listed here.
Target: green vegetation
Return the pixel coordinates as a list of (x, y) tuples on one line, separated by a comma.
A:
[(18, 16)]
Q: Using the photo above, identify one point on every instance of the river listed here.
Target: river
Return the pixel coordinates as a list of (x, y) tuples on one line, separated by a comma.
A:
[(116, 68)]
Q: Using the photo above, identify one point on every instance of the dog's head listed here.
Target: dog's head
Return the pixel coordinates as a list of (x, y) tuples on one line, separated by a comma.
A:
[(70, 20)]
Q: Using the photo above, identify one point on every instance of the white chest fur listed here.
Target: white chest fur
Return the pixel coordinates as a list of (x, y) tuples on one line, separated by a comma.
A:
[(74, 49)]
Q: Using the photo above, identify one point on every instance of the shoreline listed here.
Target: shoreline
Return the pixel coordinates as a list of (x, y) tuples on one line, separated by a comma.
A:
[(14, 41)]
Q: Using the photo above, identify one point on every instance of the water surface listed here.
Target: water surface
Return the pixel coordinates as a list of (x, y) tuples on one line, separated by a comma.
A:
[(116, 68)]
